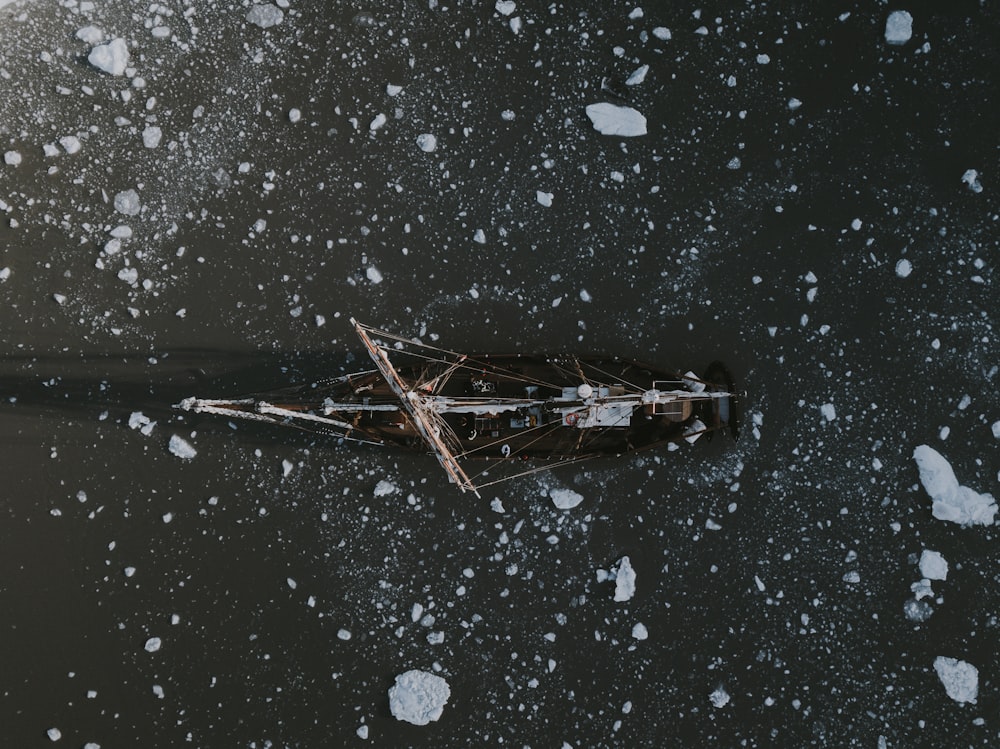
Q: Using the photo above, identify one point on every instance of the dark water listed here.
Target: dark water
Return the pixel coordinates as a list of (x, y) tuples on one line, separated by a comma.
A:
[(107, 539)]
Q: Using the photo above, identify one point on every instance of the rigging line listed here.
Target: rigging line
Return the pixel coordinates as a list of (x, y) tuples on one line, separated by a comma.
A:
[(487, 468), (538, 469), (615, 377), (501, 441), (513, 375), (498, 371)]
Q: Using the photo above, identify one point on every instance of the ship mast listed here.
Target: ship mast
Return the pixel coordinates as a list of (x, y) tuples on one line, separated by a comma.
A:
[(422, 418)]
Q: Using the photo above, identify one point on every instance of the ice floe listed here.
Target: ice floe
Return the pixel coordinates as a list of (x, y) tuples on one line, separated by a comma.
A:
[(265, 16), (960, 679), (110, 57), (418, 697), (181, 448), (565, 499), (933, 566), (898, 27), (952, 501), (610, 119)]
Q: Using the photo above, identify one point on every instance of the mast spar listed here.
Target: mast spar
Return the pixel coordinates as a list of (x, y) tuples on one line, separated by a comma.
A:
[(412, 402)]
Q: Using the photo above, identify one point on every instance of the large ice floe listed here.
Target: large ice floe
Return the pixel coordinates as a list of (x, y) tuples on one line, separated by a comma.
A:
[(610, 119), (952, 501), (418, 697)]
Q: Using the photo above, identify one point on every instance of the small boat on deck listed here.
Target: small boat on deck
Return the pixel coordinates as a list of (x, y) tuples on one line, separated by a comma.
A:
[(515, 413)]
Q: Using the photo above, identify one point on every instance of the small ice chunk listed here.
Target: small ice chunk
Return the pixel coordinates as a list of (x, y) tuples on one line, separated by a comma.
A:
[(151, 136), (565, 499), (719, 697), (585, 296), (54, 734), (374, 274), (153, 644), (971, 178), (418, 697), (427, 142), (265, 16), (933, 566), (624, 580), (378, 122), (362, 731), (951, 501), (960, 679), (294, 115), (384, 488), (392, 89), (828, 411), (71, 144), (121, 232), (181, 448), (917, 611), (344, 634), (11, 158), (904, 268), (639, 631), (139, 420), (111, 57), (544, 198), (505, 7), (90, 35), (287, 467), (996, 429), (662, 33), (127, 202), (638, 76), (898, 27), (479, 236), (610, 119)]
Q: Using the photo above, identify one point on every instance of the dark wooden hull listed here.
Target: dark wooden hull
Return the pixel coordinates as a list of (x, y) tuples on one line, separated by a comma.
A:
[(529, 433)]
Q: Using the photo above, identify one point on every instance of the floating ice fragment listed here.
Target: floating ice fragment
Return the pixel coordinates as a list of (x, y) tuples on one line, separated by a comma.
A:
[(904, 268), (294, 115), (378, 122), (151, 136), (662, 33), (181, 448), (505, 7), (54, 734), (585, 296), (917, 611), (515, 24), (139, 420), (384, 488), (265, 16), (565, 499), (418, 697), (11, 158), (898, 27), (624, 580), (951, 501), (286, 468), (153, 644), (996, 429), (544, 198), (90, 35), (828, 411), (479, 236), (427, 142), (610, 119), (374, 274), (344, 634), (639, 631), (71, 144), (127, 202), (933, 566), (719, 697), (392, 89), (111, 57), (362, 731), (794, 103), (960, 679), (856, 224), (638, 76), (971, 178)]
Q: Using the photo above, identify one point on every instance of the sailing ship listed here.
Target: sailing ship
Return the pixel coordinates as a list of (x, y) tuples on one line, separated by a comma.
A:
[(513, 413)]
